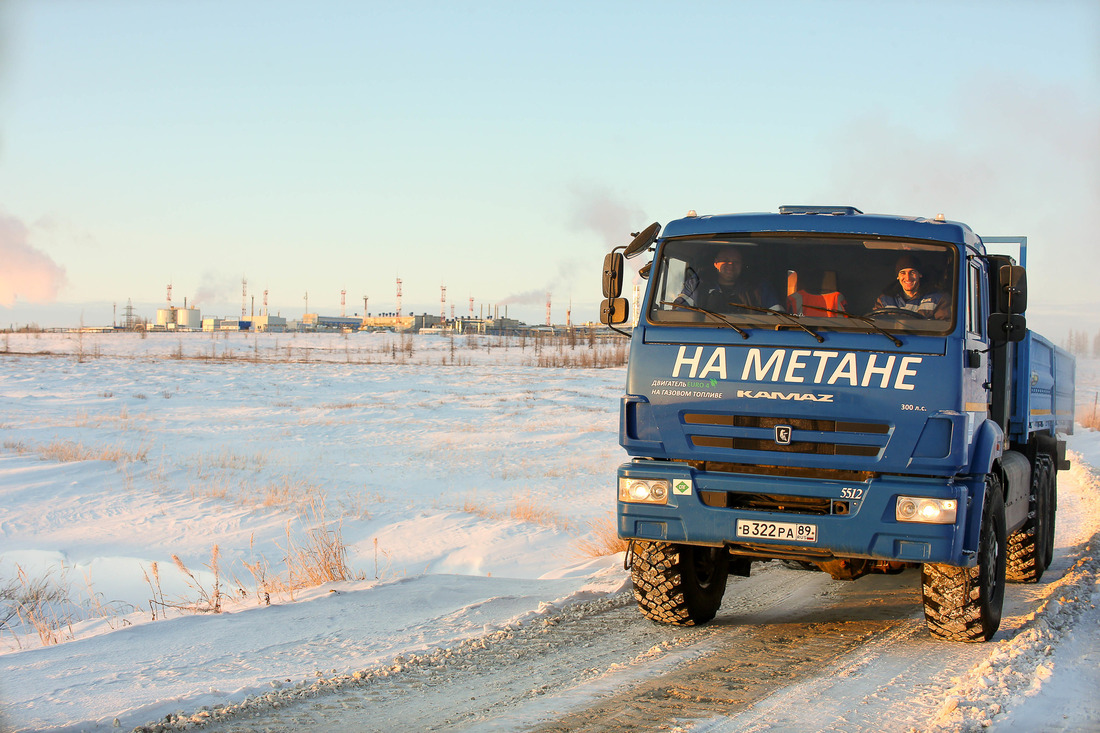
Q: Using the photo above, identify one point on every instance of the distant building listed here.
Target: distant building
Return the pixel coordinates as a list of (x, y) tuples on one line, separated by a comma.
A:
[(272, 324), (225, 324), (393, 322), (315, 322)]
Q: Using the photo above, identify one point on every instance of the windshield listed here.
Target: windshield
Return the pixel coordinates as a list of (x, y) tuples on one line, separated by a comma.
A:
[(824, 282)]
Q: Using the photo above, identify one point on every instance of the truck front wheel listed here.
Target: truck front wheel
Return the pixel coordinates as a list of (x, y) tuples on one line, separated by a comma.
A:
[(964, 604), (679, 584)]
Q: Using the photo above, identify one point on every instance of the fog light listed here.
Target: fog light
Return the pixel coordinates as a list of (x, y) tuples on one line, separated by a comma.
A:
[(923, 509), (643, 491)]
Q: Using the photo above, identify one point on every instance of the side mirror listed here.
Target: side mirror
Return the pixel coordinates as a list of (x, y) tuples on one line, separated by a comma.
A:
[(614, 311), (612, 275), (1012, 290), (1005, 327), (643, 240)]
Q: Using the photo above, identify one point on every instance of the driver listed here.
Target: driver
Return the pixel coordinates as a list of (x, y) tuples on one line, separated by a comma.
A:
[(907, 293)]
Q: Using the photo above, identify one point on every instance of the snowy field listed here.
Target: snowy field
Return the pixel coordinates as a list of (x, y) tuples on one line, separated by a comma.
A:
[(454, 487)]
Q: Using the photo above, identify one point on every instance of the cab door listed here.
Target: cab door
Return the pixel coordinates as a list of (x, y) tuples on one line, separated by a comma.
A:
[(976, 374)]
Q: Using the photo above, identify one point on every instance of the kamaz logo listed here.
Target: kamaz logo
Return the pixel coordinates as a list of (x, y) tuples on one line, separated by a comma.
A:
[(783, 434), (789, 396)]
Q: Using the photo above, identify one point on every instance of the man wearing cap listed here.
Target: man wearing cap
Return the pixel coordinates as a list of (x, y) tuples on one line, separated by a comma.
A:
[(908, 294)]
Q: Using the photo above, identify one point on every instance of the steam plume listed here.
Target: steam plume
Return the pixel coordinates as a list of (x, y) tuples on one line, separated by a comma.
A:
[(27, 273)]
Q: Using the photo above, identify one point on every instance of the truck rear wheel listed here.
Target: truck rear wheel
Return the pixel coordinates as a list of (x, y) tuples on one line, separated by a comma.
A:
[(964, 604), (1052, 504), (1031, 547), (679, 584)]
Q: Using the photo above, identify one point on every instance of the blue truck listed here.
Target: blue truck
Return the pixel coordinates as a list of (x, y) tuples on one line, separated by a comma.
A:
[(841, 391)]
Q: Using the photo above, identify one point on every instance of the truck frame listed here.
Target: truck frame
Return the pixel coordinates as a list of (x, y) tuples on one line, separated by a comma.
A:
[(814, 410)]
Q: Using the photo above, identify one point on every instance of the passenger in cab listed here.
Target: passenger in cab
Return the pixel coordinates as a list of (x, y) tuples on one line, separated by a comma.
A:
[(910, 292), (816, 295)]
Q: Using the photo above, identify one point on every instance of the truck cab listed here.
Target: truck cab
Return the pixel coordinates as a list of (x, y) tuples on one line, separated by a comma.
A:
[(835, 389)]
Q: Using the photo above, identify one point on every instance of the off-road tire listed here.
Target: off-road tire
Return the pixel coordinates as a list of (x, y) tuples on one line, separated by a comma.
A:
[(679, 584), (964, 604), (1052, 502), (1031, 546)]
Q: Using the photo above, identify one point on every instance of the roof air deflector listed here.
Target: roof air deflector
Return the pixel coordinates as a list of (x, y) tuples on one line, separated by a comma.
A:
[(825, 210)]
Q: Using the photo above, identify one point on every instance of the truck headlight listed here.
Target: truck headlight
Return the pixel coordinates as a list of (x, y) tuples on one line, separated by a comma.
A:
[(643, 491), (923, 509)]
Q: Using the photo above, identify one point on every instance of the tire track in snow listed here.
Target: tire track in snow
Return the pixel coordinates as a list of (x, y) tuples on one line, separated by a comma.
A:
[(527, 676)]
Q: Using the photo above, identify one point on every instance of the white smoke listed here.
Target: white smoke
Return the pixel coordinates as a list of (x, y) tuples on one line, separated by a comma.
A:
[(598, 210), (593, 210), (26, 273), (215, 291)]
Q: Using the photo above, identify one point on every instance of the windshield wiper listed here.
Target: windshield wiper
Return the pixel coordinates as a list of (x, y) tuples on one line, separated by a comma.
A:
[(869, 321), (704, 311), (792, 318)]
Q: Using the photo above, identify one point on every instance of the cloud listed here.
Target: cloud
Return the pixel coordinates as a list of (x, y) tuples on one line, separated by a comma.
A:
[(26, 273)]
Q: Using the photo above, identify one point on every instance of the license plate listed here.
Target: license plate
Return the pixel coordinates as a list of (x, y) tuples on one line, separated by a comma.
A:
[(750, 529)]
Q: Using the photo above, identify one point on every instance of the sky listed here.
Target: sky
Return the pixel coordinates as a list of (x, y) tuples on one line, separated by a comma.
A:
[(500, 149)]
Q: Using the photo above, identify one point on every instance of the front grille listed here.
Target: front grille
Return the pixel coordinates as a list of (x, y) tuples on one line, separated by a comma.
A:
[(807, 437), (829, 474), (769, 503)]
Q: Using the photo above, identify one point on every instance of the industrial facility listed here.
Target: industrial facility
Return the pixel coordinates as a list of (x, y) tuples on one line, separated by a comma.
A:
[(172, 318)]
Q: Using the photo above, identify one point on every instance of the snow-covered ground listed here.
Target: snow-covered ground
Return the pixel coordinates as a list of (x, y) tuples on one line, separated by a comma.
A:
[(461, 479)]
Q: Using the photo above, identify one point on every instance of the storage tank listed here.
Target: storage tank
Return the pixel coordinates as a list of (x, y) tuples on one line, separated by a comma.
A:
[(166, 317), (188, 318)]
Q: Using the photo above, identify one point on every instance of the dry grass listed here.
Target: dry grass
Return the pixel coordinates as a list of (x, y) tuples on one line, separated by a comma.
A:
[(208, 598), (602, 540), (322, 557), (524, 509), (46, 606), (603, 357), (229, 460), (37, 604), (282, 494), (1089, 418), (66, 451), (579, 348)]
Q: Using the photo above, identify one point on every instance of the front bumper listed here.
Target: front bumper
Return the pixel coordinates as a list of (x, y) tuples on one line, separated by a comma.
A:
[(852, 518)]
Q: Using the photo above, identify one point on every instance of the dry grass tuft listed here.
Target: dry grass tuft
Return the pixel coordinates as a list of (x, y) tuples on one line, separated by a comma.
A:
[(40, 604), (322, 557), (46, 606), (524, 510), (603, 539), (1088, 418), (69, 452)]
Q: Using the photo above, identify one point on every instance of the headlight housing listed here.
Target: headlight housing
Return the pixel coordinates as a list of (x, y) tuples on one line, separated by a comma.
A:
[(643, 490), (925, 510)]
